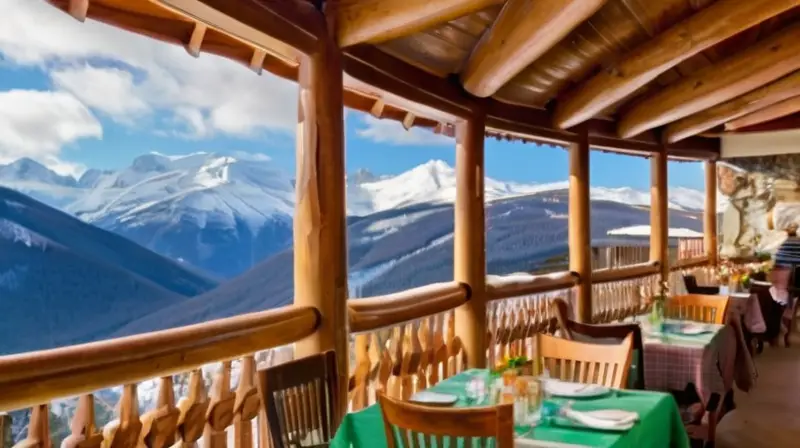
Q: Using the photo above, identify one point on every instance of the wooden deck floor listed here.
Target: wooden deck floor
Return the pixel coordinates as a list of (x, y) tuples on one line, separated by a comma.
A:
[(769, 416)]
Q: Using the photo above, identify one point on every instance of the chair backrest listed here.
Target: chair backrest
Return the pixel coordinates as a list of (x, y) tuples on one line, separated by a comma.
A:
[(301, 401), (692, 287), (605, 334), (409, 425), (603, 364), (708, 309)]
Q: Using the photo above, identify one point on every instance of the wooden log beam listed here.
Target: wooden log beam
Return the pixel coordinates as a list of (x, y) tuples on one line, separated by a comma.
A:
[(469, 240), (376, 68), (704, 29), (523, 31), (320, 236), (782, 89), (580, 238), (760, 64), (773, 112), (710, 213), (659, 213), (78, 9), (780, 124), (376, 21), (278, 26)]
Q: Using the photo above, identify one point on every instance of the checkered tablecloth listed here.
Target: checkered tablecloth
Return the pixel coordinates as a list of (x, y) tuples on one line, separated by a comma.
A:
[(745, 305), (670, 363)]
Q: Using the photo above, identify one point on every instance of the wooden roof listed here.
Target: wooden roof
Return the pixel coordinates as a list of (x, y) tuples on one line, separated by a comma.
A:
[(633, 73)]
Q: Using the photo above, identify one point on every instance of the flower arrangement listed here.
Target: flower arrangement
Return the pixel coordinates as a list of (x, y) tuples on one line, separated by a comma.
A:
[(510, 368), (658, 303)]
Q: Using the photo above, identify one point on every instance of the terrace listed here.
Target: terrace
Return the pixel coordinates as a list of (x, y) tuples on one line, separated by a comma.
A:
[(666, 80)]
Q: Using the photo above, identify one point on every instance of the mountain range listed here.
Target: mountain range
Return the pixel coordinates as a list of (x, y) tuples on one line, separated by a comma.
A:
[(223, 214)]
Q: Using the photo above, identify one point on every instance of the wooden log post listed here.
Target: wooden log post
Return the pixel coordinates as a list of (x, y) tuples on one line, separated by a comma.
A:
[(320, 234), (659, 212), (580, 236), (710, 214), (469, 240)]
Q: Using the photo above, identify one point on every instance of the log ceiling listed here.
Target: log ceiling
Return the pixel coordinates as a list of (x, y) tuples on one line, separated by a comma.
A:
[(641, 76)]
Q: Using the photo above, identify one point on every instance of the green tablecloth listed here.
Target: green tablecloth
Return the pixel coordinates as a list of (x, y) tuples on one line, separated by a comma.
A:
[(660, 424)]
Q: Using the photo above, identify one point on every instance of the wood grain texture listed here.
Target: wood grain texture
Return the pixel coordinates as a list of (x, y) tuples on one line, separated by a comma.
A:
[(784, 88), (778, 110), (761, 64), (522, 32), (635, 69), (381, 20)]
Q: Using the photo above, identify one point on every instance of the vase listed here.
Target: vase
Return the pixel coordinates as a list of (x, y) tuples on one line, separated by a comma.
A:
[(657, 315)]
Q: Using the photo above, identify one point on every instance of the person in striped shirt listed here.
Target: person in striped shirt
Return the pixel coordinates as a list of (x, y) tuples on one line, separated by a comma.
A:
[(788, 254)]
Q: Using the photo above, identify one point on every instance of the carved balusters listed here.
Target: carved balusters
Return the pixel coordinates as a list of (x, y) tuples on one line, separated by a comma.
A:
[(193, 408), (38, 429), (84, 433), (359, 392), (125, 431), (160, 425), (220, 409), (246, 404)]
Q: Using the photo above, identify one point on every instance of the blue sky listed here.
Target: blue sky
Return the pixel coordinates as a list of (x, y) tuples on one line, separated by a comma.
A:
[(88, 95)]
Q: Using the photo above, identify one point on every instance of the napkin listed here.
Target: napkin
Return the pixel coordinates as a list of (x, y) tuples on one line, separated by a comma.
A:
[(608, 419)]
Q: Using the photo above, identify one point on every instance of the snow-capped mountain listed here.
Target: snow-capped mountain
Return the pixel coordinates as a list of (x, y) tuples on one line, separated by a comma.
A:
[(435, 182), (218, 213), (225, 214)]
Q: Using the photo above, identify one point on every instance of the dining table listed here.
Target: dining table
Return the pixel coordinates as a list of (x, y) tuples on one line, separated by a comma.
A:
[(659, 423)]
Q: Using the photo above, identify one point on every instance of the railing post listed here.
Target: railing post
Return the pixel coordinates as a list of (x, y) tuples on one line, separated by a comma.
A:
[(469, 240), (320, 235), (710, 214), (659, 212), (580, 237)]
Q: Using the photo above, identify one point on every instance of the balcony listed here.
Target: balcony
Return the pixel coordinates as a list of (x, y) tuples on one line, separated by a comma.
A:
[(202, 380)]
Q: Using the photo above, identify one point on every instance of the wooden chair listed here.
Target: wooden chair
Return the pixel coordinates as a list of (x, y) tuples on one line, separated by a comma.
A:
[(604, 334), (602, 364), (409, 425), (698, 307), (693, 288), (300, 398)]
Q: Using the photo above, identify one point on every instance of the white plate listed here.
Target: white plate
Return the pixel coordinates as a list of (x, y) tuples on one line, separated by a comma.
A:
[(433, 398), (573, 390), (694, 330)]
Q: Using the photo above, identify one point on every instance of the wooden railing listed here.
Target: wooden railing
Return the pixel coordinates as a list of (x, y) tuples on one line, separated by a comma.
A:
[(189, 404), (400, 343), (690, 248), (521, 307), (404, 342), (615, 257)]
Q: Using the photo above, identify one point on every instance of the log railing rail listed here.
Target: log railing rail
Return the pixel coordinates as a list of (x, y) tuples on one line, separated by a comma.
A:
[(369, 314), (33, 378)]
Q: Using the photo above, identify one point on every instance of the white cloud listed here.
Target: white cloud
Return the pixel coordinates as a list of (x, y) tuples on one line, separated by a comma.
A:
[(38, 124), (253, 156), (110, 90), (128, 76), (393, 133)]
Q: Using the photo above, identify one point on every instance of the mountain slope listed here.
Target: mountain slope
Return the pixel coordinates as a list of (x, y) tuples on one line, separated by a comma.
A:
[(412, 246), (101, 245), (64, 282)]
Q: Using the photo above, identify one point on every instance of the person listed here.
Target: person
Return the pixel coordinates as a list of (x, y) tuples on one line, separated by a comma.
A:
[(788, 254), (785, 280)]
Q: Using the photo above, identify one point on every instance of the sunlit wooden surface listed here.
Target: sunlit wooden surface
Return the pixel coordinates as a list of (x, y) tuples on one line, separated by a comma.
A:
[(770, 415)]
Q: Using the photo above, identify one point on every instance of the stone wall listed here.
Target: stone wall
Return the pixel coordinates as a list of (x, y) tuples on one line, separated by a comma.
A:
[(763, 198)]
